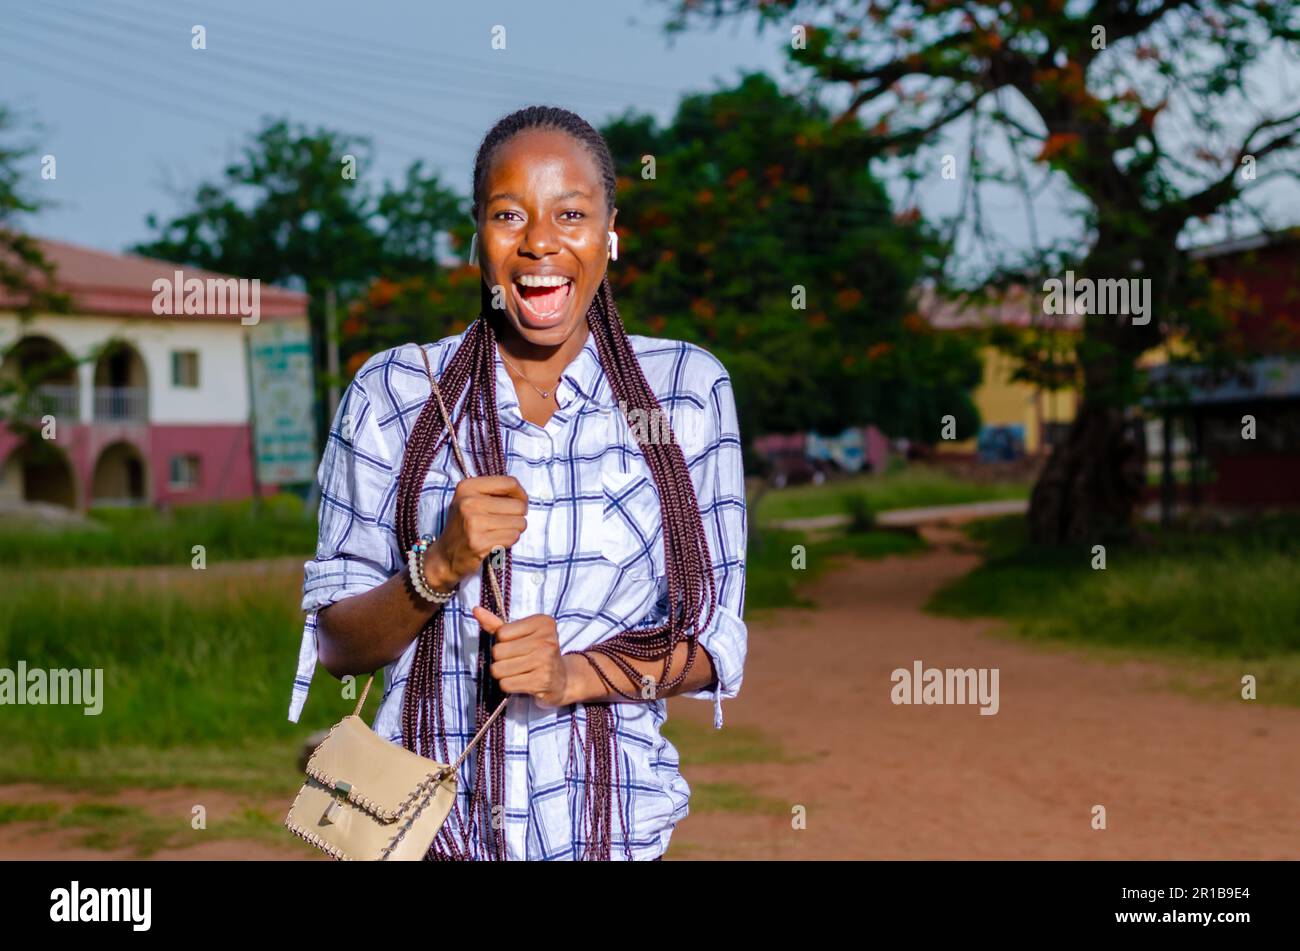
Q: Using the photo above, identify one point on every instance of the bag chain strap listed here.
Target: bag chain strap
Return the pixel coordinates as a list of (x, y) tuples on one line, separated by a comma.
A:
[(430, 784)]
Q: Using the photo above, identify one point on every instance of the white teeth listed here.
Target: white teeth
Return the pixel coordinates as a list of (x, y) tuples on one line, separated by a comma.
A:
[(539, 280)]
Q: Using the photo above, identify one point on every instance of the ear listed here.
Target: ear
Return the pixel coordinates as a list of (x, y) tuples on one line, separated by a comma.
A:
[(612, 215)]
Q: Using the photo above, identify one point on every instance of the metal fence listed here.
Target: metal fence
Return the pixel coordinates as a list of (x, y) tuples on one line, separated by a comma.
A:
[(129, 403)]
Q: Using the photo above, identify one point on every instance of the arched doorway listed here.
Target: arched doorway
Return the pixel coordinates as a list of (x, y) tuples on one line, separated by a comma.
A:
[(38, 472), (51, 372), (121, 477), (121, 385)]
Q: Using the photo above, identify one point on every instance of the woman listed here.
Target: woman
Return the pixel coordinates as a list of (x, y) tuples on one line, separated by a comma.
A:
[(607, 485)]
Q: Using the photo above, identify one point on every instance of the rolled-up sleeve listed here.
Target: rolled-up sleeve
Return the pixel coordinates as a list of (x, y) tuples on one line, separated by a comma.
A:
[(719, 479), (355, 549)]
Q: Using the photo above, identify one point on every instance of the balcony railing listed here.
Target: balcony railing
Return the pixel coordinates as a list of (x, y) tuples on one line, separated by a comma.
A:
[(121, 404), (50, 399)]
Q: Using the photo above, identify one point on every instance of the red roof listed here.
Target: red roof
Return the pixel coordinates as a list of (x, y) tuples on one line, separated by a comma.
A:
[(1015, 307), (103, 283)]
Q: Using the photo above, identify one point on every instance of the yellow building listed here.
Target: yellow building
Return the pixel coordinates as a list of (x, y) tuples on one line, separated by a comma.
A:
[(1002, 401), (1036, 415)]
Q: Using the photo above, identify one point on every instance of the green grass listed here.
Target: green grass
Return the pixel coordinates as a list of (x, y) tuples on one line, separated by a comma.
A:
[(1226, 601), (11, 812), (735, 744), (735, 798), (111, 827), (912, 487), (773, 578), (196, 680), (231, 531)]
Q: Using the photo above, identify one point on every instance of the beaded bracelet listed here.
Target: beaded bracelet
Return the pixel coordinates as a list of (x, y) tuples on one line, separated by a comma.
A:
[(415, 561)]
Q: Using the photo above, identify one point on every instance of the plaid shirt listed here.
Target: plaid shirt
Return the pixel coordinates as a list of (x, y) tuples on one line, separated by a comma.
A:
[(591, 557)]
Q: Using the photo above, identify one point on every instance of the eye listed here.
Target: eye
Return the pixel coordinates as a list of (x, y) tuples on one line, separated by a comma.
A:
[(500, 213), (573, 211)]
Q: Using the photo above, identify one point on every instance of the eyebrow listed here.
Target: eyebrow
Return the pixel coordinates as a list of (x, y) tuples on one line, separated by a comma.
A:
[(511, 196)]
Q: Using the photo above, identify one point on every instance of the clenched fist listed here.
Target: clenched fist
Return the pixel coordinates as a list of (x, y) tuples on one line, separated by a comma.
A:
[(526, 657), (485, 513)]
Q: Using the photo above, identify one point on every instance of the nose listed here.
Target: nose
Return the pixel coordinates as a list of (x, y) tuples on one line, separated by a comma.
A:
[(539, 237)]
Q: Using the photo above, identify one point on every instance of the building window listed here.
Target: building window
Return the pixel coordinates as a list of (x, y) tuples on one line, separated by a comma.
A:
[(185, 368), (184, 472)]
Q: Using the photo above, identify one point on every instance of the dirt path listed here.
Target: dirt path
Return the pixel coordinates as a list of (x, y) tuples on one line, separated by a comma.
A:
[(1179, 778)]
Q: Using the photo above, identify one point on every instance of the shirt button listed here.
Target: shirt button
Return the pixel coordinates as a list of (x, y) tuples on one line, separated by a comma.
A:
[(536, 580)]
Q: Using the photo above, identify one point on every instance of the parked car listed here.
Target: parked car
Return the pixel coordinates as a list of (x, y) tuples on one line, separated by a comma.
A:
[(1000, 443), (794, 468)]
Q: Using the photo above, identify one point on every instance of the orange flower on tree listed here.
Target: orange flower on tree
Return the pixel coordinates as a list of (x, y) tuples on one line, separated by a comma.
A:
[(382, 292), (703, 308), (1058, 143), (848, 298), (357, 361)]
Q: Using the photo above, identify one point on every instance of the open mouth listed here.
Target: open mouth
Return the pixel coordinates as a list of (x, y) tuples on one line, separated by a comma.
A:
[(543, 297)]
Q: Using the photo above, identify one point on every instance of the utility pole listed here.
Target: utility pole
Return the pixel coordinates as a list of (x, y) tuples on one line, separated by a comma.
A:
[(332, 352)]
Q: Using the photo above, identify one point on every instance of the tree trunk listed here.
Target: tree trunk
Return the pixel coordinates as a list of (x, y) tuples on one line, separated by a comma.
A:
[(1092, 481)]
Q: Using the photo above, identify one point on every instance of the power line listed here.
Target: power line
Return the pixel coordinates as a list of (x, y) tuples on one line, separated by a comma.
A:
[(420, 58), (254, 65), (390, 59), (207, 93)]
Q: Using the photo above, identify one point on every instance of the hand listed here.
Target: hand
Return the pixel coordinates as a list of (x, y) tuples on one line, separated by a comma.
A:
[(486, 512), (526, 657)]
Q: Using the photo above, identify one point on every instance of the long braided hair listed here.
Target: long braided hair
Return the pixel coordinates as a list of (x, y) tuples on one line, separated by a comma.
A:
[(472, 373)]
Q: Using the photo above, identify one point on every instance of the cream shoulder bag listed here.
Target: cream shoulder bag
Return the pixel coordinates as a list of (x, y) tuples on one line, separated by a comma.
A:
[(366, 798)]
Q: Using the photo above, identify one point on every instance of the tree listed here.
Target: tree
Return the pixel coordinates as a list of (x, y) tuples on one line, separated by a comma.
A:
[(750, 225), (25, 275), (297, 208), (1144, 107), (27, 283)]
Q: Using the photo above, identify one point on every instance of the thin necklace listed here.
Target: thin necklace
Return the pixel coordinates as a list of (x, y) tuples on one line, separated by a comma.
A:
[(544, 394)]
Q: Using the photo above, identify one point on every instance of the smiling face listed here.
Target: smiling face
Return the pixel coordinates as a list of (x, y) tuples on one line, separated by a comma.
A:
[(543, 233)]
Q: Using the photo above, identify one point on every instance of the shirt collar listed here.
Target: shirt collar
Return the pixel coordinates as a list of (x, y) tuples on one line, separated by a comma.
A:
[(580, 382), (583, 374)]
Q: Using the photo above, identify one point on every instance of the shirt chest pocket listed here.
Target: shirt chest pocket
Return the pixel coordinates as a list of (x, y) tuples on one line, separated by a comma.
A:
[(631, 525), (435, 498)]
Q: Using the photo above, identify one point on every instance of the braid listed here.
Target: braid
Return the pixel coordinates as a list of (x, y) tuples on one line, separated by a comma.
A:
[(472, 373)]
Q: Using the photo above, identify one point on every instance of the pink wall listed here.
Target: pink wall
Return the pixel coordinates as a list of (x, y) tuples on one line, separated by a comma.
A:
[(225, 466)]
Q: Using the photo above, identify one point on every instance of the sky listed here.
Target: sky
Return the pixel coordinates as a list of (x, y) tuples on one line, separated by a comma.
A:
[(136, 118), (132, 113)]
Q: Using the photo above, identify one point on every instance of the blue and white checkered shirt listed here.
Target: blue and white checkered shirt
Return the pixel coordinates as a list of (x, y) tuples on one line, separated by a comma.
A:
[(591, 557)]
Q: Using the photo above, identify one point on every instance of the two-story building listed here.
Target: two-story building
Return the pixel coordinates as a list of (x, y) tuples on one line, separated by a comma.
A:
[(153, 403)]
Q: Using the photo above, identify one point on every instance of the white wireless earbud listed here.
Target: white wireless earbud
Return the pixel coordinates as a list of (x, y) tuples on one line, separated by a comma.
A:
[(613, 245)]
